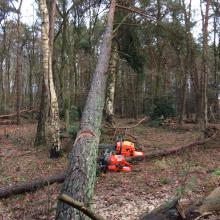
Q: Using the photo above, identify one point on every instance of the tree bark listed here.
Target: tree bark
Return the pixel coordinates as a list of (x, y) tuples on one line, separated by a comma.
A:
[(216, 61), (31, 64), (2, 58), (47, 47), (54, 109), (175, 210), (204, 75), (109, 110), (40, 138), (18, 64), (64, 73), (183, 75), (80, 180), (211, 202), (177, 149), (162, 212), (31, 186)]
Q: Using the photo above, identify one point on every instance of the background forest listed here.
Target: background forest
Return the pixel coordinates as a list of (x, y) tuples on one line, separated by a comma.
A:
[(162, 68), (157, 60)]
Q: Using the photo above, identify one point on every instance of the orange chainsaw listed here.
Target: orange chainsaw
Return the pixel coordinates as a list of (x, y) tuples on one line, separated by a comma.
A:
[(113, 162), (115, 158), (128, 150)]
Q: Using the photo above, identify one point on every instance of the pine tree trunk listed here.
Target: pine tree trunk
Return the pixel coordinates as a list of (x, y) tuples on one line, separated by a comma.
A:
[(2, 58), (40, 138), (8, 66), (80, 180), (204, 77), (216, 63), (31, 63), (64, 73), (183, 74), (1, 83), (18, 66)]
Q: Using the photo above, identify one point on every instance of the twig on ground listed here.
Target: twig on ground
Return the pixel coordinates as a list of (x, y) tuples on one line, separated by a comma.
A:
[(80, 206)]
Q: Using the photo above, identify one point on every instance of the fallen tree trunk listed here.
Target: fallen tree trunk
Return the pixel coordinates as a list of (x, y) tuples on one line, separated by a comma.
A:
[(175, 210), (167, 211), (7, 122), (15, 114), (32, 186), (167, 152), (211, 202)]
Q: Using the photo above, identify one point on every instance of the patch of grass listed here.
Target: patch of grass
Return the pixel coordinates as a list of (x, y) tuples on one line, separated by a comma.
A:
[(161, 165), (49, 164), (180, 190), (215, 172), (164, 181), (155, 123), (8, 179), (17, 140), (140, 129), (19, 197), (73, 130), (192, 184)]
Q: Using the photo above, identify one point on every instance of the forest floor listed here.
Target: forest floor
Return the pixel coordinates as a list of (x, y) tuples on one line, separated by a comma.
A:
[(118, 196)]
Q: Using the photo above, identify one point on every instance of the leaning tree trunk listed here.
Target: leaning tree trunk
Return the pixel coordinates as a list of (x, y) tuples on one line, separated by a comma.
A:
[(47, 47), (81, 175)]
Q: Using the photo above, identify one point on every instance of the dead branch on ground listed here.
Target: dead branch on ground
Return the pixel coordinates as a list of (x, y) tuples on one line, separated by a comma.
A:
[(193, 210), (124, 129), (164, 211), (80, 206), (20, 155), (130, 127), (15, 114)]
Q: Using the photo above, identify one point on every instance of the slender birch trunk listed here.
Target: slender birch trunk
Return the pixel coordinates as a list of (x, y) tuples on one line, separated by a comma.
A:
[(109, 110), (47, 47)]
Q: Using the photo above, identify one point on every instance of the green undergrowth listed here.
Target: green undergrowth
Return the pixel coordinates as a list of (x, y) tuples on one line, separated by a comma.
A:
[(215, 172)]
